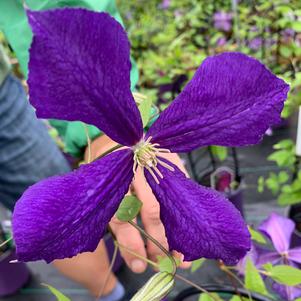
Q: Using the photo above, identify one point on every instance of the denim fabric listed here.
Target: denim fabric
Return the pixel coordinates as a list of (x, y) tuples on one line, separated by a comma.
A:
[(27, 153)]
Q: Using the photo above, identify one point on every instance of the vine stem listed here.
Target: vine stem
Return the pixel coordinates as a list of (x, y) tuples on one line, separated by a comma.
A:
[(118, 146), (196, 286), (230, 273), (88, 142), (174, 264), (109, 272), (154, 264), (5, 242)]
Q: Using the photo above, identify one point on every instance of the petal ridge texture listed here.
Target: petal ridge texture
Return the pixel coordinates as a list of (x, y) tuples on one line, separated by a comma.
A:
[(65, 215), (199, 222), (79, 69), (231, 101)]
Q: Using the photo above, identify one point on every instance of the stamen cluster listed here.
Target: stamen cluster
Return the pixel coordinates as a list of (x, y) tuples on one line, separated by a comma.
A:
[(145, 156)]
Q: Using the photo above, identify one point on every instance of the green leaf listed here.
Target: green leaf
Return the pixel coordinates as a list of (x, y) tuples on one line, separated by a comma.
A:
[(207, 297), (260, 184), (219, 152), (286, 51), (253, 280), (257, 236), (165, 264), (289, 198), (283, 177), (267, 266), (129, 208), (58, 294), (296, 26), (272, 183), (284, 144), (196, 264), (145, 110), (285, 274), (282, 158)]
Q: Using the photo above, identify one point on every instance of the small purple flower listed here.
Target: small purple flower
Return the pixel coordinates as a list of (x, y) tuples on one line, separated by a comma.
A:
[(165, 4), (178, 13), (255, 43), (222, 21), (80, 70), (288, 34), (280, 229), (221, 42)]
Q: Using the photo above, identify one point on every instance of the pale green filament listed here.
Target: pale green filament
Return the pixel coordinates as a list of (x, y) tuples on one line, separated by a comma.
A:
[(145, 156)]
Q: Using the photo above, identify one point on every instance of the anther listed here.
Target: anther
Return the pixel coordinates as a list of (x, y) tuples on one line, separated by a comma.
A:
[(145, 156)]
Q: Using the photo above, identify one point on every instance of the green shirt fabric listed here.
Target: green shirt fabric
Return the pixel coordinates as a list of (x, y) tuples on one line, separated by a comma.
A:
[(13, 23)]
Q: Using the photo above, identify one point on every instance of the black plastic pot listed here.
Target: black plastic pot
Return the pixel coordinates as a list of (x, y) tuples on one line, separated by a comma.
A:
[(294, 213), (234, 195), (219, 289)]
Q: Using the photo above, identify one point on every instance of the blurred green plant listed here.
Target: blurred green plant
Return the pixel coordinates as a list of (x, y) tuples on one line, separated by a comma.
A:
[(286, 184)]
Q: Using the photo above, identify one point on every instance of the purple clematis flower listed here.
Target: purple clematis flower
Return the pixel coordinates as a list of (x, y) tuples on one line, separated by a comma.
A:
[(280, 229), (255, 43), (79, 69), (222, 20)]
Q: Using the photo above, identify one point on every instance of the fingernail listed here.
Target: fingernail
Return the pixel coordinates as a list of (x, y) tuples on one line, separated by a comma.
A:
[(137, 266), (185, 265)]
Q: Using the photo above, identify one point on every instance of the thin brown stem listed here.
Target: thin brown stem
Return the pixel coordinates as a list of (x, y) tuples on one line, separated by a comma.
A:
[(196, 286), (5, 242), (109, 151), (174, 264), (154, 264), (88, 142), (231, 274), (109, 272)]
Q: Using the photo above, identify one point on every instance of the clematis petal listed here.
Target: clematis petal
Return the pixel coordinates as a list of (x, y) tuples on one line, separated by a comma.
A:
[(79, 69), (294, 254), (279, 229), (65, 215), (231, 101), (199, 222), (268, 256), (286, 292)]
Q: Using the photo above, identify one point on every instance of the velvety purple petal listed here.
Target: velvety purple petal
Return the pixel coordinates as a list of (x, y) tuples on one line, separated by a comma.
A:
[(79, 69), (231, 101), (279, 229), (199, 222), (252, 255), (287, 292), (65, 215), (295, 254)]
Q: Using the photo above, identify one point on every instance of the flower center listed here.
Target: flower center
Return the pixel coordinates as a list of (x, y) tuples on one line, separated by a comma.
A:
[(145, 156)]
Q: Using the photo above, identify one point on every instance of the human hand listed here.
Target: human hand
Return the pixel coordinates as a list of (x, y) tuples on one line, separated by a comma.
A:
[(125, 233)]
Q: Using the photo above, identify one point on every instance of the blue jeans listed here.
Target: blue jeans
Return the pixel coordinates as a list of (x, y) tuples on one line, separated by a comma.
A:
[(27, 153)]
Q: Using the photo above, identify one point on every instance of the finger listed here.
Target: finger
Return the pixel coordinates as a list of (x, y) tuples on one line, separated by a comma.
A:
[(182, 264), (150, 212), (150, 215), (129, 238)]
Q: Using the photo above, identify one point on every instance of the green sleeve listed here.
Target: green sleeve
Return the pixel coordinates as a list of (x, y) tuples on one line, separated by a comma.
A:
[(14, 25)]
